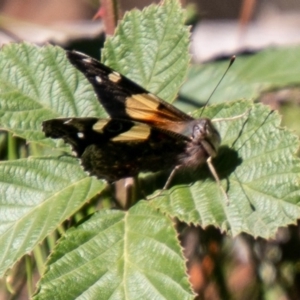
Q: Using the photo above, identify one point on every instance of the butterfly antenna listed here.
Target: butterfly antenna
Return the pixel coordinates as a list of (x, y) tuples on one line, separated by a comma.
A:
[(232, 59)]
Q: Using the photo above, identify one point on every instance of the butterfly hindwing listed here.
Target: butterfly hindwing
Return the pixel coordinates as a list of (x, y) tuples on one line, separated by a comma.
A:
[(124, 99), (114, 149)]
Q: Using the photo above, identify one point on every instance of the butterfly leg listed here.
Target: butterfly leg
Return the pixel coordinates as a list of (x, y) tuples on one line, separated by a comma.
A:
[(169, 180), (171, 176), (212, 170), (217, 179)]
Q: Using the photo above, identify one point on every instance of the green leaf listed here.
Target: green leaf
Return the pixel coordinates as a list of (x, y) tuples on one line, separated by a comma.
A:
[(249, 76), (37, 195), (151, 48), (259, 170), (118, 255), (39, 84)]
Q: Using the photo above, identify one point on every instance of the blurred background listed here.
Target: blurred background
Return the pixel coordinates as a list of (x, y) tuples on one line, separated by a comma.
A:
[(220, 267), (220, 27)]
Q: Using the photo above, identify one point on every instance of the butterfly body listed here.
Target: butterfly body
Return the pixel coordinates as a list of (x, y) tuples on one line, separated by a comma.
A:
[(143, 134)]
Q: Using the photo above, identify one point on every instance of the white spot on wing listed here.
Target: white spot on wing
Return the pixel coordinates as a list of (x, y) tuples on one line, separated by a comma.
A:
[(68, 121), (87, 60), (114, 77), (98, 79), (80, 135)]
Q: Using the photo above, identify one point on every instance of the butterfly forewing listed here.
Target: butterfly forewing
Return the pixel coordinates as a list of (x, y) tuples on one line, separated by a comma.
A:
[(124, 99)]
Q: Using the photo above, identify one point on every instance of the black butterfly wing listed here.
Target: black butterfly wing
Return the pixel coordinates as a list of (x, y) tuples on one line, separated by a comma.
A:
[(124, 99), (114, 149)]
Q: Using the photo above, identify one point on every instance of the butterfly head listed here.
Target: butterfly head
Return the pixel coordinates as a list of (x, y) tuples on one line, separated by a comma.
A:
[(204, 132), (204, 143)]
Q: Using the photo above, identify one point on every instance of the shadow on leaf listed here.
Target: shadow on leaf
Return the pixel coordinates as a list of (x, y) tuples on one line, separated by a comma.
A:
[(225, 163)]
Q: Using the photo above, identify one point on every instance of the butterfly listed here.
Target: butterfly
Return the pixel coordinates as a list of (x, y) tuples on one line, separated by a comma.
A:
[(143, 134)]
